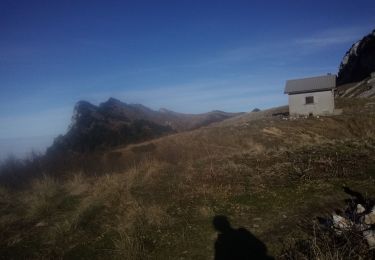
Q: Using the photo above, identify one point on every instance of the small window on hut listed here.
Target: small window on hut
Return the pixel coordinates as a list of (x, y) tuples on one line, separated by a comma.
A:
[(309, 100)]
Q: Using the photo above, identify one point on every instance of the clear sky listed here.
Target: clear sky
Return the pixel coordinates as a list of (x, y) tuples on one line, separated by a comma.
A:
[(187, 56)]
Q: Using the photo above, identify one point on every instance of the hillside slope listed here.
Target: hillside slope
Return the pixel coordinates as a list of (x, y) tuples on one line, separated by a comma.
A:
[(262, 132), (156, 199), (361, 89)]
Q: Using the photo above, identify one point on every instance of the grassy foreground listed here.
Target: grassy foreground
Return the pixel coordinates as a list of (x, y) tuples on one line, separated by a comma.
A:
[(268, 175)]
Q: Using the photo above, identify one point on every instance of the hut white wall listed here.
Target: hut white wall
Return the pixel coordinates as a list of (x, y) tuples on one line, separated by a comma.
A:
[(324, 103)]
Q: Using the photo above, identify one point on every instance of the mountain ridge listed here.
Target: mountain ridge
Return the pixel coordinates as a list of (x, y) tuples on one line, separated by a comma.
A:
[(113, 123)]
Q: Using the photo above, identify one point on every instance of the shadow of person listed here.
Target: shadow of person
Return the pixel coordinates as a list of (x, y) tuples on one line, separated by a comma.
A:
[(236, 243)]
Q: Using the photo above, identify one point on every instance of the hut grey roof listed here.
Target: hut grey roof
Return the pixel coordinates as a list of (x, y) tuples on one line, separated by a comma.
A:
[(326, 82)]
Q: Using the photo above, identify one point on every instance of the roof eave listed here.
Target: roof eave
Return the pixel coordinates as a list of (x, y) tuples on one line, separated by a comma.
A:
[(307, 91)]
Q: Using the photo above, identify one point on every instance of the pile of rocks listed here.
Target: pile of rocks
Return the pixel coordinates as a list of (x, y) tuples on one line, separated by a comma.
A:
[(358, 216)]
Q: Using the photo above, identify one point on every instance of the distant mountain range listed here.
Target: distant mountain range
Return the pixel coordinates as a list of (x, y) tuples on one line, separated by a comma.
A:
[(359, 61), (115, 123)]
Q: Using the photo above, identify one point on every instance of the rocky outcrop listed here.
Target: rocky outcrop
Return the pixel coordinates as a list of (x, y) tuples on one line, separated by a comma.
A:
[(359, 61), (114, 123), (96, 128)]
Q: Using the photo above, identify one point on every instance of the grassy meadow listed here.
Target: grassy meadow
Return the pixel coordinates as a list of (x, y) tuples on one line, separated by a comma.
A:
[(156, 200)]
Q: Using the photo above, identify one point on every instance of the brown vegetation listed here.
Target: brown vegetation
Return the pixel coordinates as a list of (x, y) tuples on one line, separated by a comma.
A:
[(156, 200)]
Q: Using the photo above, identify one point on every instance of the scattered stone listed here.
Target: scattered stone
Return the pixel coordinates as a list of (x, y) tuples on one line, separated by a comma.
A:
[(369, 235), (41, 224), (354, 218), (360, 209), (341, 224), (370, 218)]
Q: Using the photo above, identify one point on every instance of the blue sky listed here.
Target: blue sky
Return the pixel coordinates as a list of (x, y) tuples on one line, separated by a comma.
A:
[(187, 56)]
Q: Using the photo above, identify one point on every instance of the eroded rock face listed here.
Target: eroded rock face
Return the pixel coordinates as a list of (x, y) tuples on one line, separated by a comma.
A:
[(359, 61), (111, 124)]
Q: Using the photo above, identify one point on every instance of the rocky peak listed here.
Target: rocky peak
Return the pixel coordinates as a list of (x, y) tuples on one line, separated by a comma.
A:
[(82, 107), (359, 61), (81, 110), (112, 102)]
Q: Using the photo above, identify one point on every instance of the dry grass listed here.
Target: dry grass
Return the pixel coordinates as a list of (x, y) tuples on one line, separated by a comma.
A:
[(156, 200), (326, 244)]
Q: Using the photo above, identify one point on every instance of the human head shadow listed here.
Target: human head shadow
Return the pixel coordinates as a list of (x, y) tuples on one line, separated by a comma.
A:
[(236, 243)]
